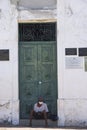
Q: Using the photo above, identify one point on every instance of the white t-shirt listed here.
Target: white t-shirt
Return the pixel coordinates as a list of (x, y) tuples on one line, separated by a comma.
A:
[(42, 108)]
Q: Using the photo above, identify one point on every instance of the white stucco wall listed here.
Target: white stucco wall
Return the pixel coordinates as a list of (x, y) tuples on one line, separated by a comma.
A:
[(10, 14), (35, 4), (72, 82), (9, 109)]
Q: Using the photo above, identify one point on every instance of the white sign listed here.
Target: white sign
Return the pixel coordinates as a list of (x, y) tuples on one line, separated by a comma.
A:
[(74, 62)]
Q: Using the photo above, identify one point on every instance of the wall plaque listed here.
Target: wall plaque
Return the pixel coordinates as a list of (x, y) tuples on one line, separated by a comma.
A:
[(70, 51), (82, 51), (4, 55), (74, 62)]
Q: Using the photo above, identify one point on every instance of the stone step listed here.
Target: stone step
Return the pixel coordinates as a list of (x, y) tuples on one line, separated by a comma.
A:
[(38, 123)]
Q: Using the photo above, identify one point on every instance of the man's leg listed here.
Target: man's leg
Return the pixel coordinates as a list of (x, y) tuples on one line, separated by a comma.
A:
[(45, 117), (31, 116)]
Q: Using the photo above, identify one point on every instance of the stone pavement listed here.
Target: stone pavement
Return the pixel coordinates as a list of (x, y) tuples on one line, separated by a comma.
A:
[(23, 128)]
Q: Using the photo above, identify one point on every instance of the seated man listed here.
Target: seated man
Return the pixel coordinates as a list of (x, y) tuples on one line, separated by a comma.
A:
[(40, 111)]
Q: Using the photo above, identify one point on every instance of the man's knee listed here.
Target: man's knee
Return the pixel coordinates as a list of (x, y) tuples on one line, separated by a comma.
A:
[(45, 114), (44, 111), (31, 113)]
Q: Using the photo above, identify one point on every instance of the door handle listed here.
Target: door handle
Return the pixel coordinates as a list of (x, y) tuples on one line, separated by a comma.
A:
[(40, 82)]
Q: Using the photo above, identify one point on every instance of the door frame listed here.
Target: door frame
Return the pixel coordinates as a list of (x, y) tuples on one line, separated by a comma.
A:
[(38, 21)]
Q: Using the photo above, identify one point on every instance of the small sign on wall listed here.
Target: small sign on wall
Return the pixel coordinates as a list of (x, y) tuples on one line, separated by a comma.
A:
[(4, 55), (82, 51), (70, 51), (74, 62)]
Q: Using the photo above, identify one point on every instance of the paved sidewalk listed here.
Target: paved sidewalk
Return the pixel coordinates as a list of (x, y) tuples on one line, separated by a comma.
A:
[(2, 127), (23, 128)]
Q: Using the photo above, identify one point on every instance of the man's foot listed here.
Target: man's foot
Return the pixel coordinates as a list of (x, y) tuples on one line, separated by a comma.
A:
[(46, 126), (30, 124)]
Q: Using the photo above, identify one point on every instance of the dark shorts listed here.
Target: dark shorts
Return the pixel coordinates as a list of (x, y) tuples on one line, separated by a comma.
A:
[(38, 115)]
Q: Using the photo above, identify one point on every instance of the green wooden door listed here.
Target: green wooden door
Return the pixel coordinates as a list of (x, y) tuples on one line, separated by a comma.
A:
[(38, 75)]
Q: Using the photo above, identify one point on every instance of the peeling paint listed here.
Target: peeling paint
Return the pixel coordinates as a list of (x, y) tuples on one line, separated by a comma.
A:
[(72, 113), (68, 11), (6, 105)]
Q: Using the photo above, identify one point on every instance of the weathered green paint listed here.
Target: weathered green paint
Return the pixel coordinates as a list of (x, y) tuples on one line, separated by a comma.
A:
[(38, 75)]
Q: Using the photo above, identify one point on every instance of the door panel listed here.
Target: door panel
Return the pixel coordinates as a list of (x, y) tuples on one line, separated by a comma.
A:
[(38, 75), (47, 63), (28, 78)]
